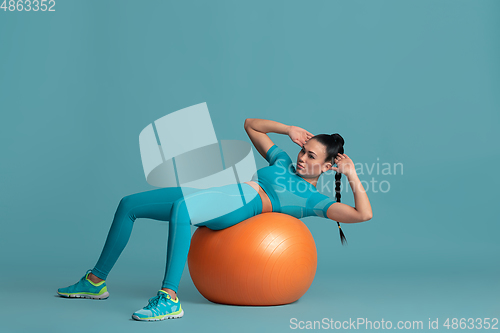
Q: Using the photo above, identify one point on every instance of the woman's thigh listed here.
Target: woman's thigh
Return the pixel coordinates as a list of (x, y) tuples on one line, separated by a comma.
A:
[(155, 204), (221, 207)]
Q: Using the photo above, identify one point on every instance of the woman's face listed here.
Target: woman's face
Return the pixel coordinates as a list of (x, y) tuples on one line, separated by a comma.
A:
[(311, 160)]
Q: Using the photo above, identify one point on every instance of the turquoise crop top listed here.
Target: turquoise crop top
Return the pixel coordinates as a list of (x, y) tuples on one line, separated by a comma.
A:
[(289, 193)]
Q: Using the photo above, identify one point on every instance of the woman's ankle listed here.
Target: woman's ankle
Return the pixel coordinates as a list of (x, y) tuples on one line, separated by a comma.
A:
[(172, 293), (94, 278)]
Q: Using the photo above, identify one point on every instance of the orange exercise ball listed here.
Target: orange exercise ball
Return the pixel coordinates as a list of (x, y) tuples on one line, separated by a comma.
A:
[(268, 259)]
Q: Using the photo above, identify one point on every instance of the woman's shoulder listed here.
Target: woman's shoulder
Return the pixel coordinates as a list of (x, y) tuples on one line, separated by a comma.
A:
[(276, 154)]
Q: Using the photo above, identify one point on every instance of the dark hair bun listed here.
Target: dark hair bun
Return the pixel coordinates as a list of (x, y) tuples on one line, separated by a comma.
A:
[(337, 138)]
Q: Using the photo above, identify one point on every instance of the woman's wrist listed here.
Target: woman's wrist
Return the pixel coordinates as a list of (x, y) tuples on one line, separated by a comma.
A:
[(351, 175), (280, 128)]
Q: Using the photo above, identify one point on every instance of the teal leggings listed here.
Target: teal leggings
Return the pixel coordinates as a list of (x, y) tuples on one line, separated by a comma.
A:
[(216, 208)]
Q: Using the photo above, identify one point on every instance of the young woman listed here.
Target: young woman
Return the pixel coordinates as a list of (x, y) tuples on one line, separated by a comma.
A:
[(281, 188)]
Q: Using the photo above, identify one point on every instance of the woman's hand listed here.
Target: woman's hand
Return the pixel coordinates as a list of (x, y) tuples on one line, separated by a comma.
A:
[(299, 135), (344, 165)]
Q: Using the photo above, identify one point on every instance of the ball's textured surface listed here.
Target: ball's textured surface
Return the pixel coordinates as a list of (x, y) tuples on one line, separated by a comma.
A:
[(268, 259)]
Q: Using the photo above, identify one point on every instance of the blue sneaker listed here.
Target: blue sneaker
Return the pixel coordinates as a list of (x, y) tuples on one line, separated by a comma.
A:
[(160, 307), (85, 289)]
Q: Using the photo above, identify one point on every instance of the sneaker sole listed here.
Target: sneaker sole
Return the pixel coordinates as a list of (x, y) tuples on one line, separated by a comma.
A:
[(158, 319), (103, 296)]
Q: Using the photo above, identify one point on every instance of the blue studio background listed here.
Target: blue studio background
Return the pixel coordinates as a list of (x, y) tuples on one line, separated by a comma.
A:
[(409, 82)]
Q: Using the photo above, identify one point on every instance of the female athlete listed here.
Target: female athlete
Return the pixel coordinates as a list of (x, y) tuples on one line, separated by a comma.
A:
[(281, 187)]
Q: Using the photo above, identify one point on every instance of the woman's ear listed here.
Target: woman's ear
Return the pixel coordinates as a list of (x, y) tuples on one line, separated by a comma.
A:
[(327, 166)]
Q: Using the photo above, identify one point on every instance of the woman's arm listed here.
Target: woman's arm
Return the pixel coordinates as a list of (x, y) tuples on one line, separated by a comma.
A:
[(344, 213), (257, 129), (361, 201)]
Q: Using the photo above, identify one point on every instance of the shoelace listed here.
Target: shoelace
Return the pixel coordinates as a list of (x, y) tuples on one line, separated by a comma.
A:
[(153, 301)]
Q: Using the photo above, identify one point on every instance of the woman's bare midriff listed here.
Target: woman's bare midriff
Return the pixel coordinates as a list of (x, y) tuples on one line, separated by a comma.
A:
[(266, 202)]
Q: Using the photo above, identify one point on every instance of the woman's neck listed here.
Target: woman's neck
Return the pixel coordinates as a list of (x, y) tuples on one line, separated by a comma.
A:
[(313, 181)]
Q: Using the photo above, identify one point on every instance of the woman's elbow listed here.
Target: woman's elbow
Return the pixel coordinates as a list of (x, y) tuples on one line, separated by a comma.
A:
[(367, 217), (247, 123)]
